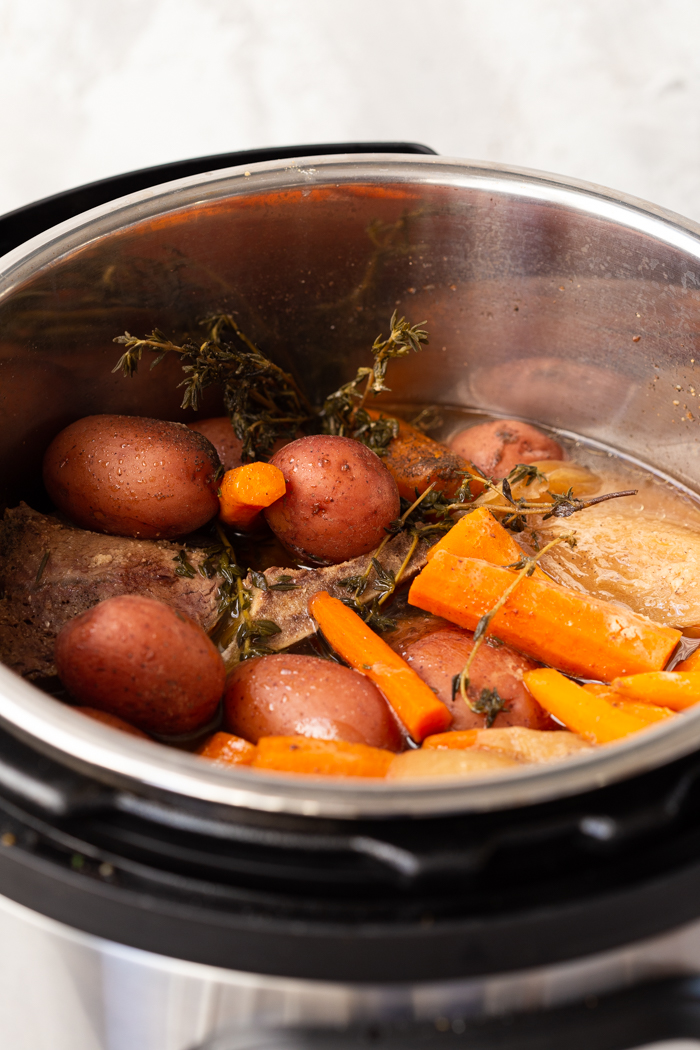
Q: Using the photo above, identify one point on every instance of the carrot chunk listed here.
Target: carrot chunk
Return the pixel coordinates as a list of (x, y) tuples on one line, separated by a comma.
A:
[(479, 535), (413, 701), (459, 738), (582, 712), (416, 461), (647, 712), (246, 490), (674, 689), (692, 663), (302, 754), (225, 749), (574, 632)]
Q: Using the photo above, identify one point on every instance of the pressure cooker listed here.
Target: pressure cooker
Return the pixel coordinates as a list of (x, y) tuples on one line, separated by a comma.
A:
[(152, 902)]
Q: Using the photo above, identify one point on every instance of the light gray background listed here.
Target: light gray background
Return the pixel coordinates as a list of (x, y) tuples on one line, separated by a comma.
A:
[(607, 90)]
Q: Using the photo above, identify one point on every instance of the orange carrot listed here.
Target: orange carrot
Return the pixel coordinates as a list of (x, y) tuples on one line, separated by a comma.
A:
[(479, 535), (416, 461), (582, 712), (302, 754), (647, 712), (674, 689), (691, 663), (579, 634), (414, 702), (246, 490), (460, 738), (225, 749)]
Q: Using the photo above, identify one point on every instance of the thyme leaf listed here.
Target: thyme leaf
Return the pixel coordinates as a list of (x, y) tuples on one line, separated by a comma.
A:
[(489, 703), (284, 583), (184, 565), (42, 566)]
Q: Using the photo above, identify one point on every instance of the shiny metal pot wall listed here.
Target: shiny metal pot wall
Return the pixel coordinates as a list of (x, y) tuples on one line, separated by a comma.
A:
[(546, 299)]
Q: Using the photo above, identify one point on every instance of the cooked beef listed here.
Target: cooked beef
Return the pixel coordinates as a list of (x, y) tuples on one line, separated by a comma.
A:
[(80, 569), (288, 608)]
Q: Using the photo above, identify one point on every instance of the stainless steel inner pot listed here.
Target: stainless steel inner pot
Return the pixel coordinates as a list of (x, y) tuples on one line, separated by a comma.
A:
[(546, 299)]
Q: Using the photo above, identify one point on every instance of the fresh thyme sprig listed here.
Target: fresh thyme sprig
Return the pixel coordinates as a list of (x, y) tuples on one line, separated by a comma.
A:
[(517, 511), (525, 567), (344, 411), (386, 581), (263, 401), (235, 621)]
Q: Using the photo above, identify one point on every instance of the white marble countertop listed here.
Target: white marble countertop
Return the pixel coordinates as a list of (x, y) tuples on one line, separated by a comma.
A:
[(604, 91)]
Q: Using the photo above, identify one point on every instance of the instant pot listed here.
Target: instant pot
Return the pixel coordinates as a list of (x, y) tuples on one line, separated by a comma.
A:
[(153, 902)]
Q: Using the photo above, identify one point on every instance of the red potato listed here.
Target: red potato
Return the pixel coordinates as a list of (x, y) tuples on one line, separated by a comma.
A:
[(495, 448), (112, 721), (223, 437), (142, 661), (439, 656), (290, 695), (340, 497), (133, 476)]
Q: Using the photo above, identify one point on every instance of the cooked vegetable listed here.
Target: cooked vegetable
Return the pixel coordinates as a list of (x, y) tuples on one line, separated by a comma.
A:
[(495, 448), (647, 712), (292, 695), (516, 742), (112, 721), (456, 739), (691, 663), (144, 662), (223, 437), (573, 632), (580, 711), (299, 754), (496, 692), (414, 702), (674, 689), (339, 501), (479, 535), (224, 749), (247, 490), (443, 762), (415, 461), (650, 564), (132, 476)]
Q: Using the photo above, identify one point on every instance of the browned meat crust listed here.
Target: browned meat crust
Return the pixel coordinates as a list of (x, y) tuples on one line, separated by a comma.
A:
[(82, 568), (288, 608)]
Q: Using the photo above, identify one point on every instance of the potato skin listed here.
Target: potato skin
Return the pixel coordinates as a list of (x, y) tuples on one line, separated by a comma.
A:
[(112, 721), (339, 499), (220, 432), (132, 476), (495, 448), (438, 657), (292, 695), (144, 662)]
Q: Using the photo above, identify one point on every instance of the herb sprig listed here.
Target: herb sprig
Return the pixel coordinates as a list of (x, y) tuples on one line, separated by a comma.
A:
[(263, 401), (525, 566), (344, 411)]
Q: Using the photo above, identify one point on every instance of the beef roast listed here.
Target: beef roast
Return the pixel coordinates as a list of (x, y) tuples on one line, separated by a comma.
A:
[(288, 608), (79, 569)]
